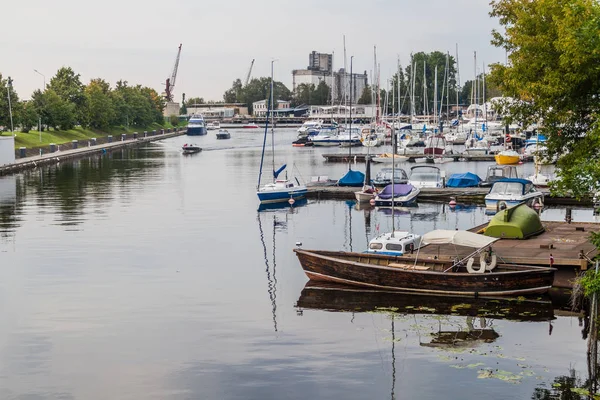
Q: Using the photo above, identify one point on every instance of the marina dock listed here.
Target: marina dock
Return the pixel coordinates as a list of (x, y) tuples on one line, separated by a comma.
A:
[(461, 195), (360, 157)]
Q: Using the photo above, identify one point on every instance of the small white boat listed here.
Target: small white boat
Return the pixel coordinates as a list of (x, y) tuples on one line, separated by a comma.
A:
[(510, 192), (365, 194), (190, 148), (215, 125), (223, 134), (395, 243), (424, 176), (310, 128)]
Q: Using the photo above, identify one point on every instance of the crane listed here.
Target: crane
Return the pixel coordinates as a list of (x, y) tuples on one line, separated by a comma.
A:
[(170, 84), (249, 72)]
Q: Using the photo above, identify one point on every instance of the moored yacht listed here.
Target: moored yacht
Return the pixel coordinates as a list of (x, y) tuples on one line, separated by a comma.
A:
[(196, 125)]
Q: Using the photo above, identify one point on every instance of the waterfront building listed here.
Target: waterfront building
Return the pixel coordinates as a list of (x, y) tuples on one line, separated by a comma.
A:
[(338, 112), (320, 68), (259, 108), (218, 110)]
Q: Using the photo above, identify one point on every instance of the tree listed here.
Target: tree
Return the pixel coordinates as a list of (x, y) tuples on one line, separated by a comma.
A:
[(60, 113), (195, 100), (304, 93), (232, 94), (553, 76), (99, 103), (67, 85), (28, 116), (257, 89), (322, 94), (366, 97), (14, 101)]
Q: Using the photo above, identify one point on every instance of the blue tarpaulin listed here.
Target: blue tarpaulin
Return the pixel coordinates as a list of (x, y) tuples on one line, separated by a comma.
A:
[(352, 178), (463, 180)]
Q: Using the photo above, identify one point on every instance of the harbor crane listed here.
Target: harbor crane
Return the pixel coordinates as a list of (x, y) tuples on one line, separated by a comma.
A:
[(249, 72), (170, 84)]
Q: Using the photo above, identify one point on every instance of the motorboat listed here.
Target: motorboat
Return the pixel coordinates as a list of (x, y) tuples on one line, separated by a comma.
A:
[(456, 137), (384, 177), (190, 148), (215, 125), (281, 190), (507, 157), (510, 192), (223, 134), (397, 243), (303, 142), (350, 137), (498, 172), (424, 176), (365, 195), (310, 128), (467, 179), (325, 137), (436, 149), (400, 195), (477, 147), (196, 125), (479, 274), (250, 126)]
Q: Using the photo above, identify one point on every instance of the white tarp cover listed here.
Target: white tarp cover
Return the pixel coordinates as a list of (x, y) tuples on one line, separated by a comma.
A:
[(459, 238)]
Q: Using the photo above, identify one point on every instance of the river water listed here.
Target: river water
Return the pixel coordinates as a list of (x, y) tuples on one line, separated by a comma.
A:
[(145, 274)]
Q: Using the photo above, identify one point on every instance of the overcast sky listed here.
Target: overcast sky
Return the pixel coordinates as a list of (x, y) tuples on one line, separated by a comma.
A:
[(137, 40)]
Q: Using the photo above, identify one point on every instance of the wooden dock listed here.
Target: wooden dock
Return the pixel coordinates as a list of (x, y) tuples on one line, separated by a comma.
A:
[(568, 243), (461, 195), (360, 157)]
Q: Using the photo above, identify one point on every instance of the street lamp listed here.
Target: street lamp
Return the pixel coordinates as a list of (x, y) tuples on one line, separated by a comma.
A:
[(40, 116)]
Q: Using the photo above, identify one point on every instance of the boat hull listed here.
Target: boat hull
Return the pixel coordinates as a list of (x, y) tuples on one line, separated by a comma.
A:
[(361, 269), (196, 131), (280, 196), (502, 159)]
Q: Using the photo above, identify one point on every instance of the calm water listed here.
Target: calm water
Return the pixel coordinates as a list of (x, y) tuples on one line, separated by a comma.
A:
[(145, 274)]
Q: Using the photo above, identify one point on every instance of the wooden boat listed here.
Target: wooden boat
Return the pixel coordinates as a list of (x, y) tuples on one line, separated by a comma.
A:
[(191, 149), (518, 222), (429, 275), (343, 298)]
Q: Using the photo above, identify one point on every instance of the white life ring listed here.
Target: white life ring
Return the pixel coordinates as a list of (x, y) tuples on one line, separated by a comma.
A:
[(470, 268), (501, 205), (485, 266)]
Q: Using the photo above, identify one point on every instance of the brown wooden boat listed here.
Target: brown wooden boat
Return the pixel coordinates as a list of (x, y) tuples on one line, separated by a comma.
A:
[(429, 275)]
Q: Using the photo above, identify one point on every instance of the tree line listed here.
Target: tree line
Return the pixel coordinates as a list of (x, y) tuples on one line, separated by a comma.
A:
[(66, 102)]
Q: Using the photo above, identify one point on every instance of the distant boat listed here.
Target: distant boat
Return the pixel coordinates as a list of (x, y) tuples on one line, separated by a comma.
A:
[(196, 125), (213, 125), (250, 126), (223, 134), (191, 149), (467, 179), (426, 177), (507, 157)]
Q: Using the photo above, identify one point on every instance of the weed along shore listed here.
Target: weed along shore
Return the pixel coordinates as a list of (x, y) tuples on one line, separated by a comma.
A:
[(86, 148)]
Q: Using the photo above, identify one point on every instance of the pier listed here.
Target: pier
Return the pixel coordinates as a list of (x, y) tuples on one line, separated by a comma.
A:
[(24, 163), (473, 195), (361, 157)]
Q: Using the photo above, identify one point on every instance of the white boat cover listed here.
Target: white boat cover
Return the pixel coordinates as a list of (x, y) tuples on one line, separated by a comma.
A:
[(459, 238)]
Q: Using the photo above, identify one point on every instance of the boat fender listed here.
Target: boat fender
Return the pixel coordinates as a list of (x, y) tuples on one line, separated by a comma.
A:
[(484, 265), (537, 202), (470, 268)]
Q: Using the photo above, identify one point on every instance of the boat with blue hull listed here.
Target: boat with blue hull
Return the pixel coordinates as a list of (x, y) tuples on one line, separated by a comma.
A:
[(280, 190), (196, 126)]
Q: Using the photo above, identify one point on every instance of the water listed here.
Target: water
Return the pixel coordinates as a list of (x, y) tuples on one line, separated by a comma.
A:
[(147, 274)]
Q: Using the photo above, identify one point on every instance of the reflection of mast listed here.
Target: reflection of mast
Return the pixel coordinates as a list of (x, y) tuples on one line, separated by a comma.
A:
[(350, 225), (393, 359), (271, 281)]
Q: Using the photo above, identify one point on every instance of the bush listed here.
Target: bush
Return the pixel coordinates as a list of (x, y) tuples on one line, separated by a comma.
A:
[(174, 119)]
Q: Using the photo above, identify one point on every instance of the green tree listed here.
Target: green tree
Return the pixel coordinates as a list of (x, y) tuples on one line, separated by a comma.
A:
[(67, 85), (322, 94), (553, 48), (259, 89), (60, 112), (195, 100), (99, 102), (233, 94), (366, 97), (28, 116), (14, 101)]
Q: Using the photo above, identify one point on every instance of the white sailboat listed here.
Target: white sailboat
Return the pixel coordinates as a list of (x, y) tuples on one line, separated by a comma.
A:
[(280, 190)]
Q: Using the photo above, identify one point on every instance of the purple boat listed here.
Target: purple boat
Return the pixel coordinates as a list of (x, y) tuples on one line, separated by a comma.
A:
[(401, 195)]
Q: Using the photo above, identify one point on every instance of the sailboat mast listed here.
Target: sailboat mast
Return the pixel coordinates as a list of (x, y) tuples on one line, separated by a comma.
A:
[(475, 84), (484, 103), (435, 96), (345, 83), (350, 128), (457, 84), (272, 123)]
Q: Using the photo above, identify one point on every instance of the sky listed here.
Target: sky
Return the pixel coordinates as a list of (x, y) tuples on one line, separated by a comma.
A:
[(137, 40)]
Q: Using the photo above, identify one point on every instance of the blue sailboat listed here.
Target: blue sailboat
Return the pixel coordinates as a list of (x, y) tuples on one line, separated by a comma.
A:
[(280, 190)]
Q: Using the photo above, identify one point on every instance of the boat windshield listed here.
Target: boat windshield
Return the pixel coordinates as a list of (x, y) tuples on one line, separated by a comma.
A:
[(507, 188), (425, 176)]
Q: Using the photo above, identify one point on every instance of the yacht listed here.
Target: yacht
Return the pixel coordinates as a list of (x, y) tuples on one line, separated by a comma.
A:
[(196, 125)]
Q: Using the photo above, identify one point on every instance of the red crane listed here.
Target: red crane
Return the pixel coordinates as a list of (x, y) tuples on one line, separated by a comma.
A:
[(170, 84)]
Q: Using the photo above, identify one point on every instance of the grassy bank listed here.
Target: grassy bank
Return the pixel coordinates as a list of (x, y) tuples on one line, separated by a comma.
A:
[(32, 138)]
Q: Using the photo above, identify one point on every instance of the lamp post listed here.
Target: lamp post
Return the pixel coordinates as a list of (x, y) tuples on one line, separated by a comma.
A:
[(40, 116), (8, 87)]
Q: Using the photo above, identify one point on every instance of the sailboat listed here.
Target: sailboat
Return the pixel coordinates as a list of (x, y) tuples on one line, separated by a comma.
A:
[(280, 190)]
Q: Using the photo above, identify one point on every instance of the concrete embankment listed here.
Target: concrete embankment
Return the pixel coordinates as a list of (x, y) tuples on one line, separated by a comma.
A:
[(51, 158)]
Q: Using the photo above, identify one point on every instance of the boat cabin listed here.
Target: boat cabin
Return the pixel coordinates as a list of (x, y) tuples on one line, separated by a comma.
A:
[(426, 177), (384, 177), (498, 172), (398, 244)]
